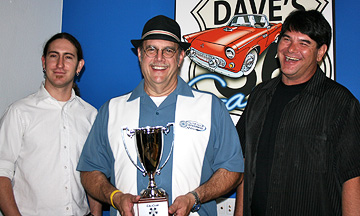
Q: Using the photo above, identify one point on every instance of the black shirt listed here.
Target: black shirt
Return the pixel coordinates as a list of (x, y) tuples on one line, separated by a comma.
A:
[(283, 94)]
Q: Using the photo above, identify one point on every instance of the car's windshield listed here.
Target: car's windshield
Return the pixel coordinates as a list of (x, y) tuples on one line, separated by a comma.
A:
[(257, 21)]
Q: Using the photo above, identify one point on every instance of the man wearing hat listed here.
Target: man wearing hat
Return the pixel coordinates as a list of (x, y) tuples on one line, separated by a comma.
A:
[(205, 160)]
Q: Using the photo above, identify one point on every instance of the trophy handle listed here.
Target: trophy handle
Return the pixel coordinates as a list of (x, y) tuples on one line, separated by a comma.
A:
[(168, 157), (131, 133), (166, 130)]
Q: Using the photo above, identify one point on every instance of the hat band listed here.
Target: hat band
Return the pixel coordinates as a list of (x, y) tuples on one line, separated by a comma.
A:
[(160, 32)]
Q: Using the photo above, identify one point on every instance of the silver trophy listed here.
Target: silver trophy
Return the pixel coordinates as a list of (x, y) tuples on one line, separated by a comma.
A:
[(149, 143)]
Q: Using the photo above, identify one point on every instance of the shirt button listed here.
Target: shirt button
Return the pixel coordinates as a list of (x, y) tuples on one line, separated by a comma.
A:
[(65, 167), (67, 208), (64, 127), (64, 147), (157, 113)]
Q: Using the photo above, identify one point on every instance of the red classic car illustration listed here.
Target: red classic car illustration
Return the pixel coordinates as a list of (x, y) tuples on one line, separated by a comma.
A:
[(233, 50)]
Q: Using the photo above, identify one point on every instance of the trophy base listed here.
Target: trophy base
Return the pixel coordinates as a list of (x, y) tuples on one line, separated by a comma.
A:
[(157, 206)]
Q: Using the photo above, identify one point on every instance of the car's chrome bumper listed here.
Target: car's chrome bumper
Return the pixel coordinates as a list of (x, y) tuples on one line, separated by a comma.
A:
[(212, 63)]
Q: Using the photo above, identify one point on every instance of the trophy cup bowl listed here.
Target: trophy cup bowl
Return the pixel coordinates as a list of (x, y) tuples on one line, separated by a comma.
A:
[(149, 142), (149, 145)]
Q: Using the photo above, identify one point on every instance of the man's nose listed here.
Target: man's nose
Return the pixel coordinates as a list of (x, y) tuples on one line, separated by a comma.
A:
[(292, 47), (159, 55), (60, 62)]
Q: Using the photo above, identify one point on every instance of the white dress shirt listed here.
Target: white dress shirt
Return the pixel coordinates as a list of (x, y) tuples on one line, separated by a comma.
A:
[(40, 144)]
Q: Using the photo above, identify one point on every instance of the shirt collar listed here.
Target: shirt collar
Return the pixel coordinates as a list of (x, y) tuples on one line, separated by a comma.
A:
[(316, 84), (182, 88), (43, 94)]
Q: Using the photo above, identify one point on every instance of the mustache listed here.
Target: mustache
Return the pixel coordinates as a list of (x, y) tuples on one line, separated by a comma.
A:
[(159, 65)]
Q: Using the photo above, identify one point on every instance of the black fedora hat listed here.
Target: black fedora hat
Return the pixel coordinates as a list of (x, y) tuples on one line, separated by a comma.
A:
[(163, 28)]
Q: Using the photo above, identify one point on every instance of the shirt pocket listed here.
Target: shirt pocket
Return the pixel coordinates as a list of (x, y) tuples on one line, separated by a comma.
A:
[(311, 153)]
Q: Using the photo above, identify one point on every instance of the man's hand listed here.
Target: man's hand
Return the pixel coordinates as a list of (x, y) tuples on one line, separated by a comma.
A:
[(99, 187), (125, 203), (220, 183), (182, 205), (7, 200), (351, 197)]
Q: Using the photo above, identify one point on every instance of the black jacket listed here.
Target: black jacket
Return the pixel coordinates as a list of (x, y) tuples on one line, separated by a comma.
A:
[(317, 147)]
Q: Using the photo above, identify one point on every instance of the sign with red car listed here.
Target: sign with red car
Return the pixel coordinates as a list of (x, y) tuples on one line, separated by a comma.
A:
[(234, 44)]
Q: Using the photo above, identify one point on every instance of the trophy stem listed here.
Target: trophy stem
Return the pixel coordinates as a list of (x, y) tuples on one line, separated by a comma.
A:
[(152, 191), (152, 183)]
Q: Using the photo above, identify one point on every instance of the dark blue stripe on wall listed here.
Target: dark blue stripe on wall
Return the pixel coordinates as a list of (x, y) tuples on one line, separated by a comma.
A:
[(347, 45)]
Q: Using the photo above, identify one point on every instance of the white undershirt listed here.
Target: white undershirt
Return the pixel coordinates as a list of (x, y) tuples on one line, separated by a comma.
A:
[(158, 100), (62, 103)]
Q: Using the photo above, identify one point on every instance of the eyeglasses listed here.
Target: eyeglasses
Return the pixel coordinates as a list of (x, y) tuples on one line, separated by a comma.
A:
[(167, 52)]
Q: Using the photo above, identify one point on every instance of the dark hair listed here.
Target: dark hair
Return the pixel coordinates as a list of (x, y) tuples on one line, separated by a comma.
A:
[(311, 23), (74, 42), (68, 37)]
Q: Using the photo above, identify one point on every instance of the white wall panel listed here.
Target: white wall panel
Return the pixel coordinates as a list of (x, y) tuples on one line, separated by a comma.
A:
[(25, 26)]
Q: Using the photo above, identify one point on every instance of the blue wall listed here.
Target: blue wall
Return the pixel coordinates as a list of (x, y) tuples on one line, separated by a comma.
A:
[(347, 45)]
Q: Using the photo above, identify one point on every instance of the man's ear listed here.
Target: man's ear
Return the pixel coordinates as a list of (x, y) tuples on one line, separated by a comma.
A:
[(321, 52), (80, 66), (139, 53), (43, 61), (181, 57)]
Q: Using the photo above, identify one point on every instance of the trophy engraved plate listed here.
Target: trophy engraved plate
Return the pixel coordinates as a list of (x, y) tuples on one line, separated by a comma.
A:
[(149, 143), (152, 206)]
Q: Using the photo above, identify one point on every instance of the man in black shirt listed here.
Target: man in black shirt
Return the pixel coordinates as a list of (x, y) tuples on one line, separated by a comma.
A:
[(301, 132)]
